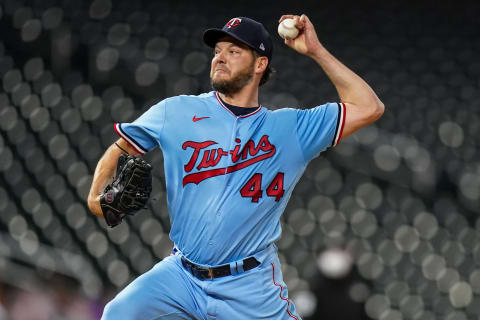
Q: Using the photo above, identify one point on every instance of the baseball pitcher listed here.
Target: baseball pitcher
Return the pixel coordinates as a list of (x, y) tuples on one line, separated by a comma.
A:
[(230, 167)]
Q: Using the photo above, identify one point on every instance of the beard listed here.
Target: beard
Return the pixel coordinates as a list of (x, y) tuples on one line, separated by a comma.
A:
[(235, 83)]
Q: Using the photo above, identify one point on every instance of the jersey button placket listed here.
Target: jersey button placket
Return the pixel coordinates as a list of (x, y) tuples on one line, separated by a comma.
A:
[(227, 164), (233, 142)]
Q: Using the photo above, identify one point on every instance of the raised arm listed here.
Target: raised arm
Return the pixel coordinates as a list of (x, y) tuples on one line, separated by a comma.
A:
[(363, 107), (104, 173)]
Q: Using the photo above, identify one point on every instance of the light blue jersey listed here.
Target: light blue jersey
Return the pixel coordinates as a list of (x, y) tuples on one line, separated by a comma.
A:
[(228, 181), (229, 178)]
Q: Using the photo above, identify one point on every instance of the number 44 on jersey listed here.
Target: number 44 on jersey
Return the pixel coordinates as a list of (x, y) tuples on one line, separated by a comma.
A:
[(253, 187)]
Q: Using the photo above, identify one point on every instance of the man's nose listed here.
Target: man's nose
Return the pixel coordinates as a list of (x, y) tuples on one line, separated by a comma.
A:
[(220, 57)]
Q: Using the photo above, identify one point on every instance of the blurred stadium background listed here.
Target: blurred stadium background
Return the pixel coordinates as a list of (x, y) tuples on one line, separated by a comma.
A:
[(385, 226)]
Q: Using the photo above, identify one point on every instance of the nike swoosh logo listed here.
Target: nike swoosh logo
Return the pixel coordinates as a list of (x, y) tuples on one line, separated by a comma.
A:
[(195, 119)]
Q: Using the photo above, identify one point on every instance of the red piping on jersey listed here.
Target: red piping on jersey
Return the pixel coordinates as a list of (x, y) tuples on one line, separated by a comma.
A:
[(244, 116), (124, 137), (343, 122), (281, 289)]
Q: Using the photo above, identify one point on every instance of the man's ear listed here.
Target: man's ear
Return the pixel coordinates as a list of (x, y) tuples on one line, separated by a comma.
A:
[(261, 64)]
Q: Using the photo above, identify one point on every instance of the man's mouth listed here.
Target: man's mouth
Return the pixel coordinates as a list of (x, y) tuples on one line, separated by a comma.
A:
[(220, 70)]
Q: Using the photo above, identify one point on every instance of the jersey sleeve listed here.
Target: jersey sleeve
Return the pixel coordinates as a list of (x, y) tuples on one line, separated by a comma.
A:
[(145, 132), (319, 128)]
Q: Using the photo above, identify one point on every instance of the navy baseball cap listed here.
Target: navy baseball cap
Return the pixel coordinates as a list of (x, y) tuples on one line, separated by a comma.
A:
[(245, 30)]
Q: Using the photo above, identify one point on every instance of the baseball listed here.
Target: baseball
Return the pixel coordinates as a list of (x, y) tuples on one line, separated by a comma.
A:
[(287, 29)]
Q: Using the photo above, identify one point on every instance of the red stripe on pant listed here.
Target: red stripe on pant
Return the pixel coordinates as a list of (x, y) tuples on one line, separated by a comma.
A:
[(281, 289)]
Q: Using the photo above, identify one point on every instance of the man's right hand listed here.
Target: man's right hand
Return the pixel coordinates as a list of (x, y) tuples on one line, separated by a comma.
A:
[(306, 42)]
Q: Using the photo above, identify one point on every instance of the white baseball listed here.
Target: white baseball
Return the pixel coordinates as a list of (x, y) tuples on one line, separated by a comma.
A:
[(287, 29)]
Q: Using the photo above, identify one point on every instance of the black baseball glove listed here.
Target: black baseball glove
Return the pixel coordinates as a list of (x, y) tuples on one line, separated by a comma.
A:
[(129, 191)]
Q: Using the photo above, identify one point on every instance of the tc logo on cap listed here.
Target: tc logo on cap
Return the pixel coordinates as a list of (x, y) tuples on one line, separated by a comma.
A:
[(233, 22)]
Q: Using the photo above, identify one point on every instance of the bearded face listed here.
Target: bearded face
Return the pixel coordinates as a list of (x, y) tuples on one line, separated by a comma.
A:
[(232, 67), (234, 83)]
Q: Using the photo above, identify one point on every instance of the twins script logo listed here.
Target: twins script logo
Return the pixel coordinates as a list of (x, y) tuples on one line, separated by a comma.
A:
[(203, 158)]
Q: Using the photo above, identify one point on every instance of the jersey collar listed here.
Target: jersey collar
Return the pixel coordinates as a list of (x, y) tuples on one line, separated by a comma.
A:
[(230, 112)]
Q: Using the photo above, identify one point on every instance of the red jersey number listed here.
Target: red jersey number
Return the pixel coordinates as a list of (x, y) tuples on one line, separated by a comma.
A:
[(253, 187), (275, 189)]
